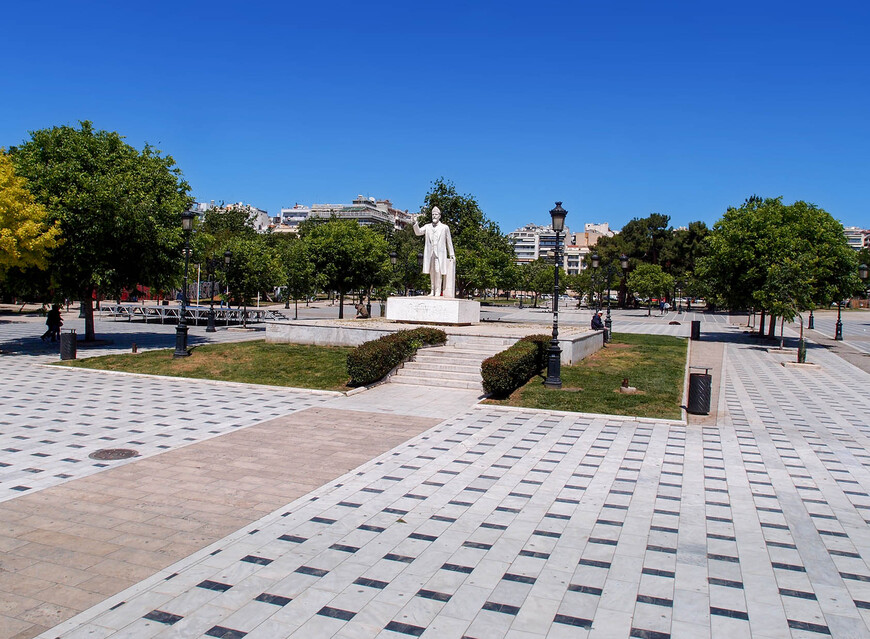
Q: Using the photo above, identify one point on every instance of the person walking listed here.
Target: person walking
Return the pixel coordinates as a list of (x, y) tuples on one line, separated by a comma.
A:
[(54, 321)]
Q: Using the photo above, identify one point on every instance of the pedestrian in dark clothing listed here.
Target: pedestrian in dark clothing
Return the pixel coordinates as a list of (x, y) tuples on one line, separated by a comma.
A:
[(54, 322), (597, 324)]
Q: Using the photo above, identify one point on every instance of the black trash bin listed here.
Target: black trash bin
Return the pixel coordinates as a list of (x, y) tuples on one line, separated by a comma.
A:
[(700, 389), (696, 330), (68, 344)]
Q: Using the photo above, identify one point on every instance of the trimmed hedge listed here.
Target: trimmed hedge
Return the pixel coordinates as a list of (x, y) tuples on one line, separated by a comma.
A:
[(505, 372), (371, 361)]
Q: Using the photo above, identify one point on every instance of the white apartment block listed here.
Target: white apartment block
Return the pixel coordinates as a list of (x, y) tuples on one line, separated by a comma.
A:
[(259, 218), (365, 211), (532, 242), (290, 218), (856, 237)]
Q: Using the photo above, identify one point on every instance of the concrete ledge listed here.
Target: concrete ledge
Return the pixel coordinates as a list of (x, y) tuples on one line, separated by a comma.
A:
[(576, 344)]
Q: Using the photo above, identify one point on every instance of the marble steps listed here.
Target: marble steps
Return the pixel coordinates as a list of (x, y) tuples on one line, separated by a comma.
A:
[(450, 366)]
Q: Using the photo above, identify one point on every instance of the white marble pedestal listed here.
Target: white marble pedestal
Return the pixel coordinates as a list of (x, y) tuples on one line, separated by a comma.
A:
[(424, 309)]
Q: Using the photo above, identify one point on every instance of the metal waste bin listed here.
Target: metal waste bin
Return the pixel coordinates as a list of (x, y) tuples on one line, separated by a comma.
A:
[(700, 389), (696, 330), (68, 344)]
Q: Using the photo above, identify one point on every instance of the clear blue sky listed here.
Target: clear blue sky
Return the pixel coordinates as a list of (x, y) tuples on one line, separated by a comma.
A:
[(618, 109)]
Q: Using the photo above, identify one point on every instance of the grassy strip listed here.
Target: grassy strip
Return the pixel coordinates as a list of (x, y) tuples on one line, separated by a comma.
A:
[(256, 362), (654, 364)]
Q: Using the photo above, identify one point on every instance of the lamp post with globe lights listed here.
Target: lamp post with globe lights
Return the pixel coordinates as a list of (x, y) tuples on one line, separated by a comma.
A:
[(181, 328), (554, 353)]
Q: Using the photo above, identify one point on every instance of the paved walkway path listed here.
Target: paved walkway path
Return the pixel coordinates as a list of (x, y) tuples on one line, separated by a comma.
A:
[(501, 522)]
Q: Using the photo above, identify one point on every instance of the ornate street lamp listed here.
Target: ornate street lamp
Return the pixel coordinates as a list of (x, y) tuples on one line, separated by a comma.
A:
[(596, 261), (554, 353), (181, 329), (623, 262), (608, 323), (838, 327), (211, 264)]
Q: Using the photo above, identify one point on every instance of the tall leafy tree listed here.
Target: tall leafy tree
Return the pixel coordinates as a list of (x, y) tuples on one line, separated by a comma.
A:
[(646, 237), (649, 280), (118, 210), (346, 255), (753, 245), (26, 238), (255, 268), (300, 278)]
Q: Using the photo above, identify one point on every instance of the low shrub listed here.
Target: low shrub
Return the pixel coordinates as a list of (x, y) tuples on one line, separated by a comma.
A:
[(504, 372), (371, 361)]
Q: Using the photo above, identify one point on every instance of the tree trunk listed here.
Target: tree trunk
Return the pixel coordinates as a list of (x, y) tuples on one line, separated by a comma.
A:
[(761, 324), (341, 305), (88, 307), (781, 338), (296, 309), (771, 329)]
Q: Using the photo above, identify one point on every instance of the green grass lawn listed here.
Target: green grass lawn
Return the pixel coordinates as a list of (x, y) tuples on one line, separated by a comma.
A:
[(298, 365), (654, 364)]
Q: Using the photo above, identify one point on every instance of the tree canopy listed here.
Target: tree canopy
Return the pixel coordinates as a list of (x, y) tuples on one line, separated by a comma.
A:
[(347, 256), (118, 210), (649, 280), (26, 238), (769, 255)]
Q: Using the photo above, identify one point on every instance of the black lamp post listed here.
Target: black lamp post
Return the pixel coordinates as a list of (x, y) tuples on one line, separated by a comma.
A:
[(679, 297), (596, 261), (554, 353), (181, 329), (838, 327), (608, 323), (211, 264), (623, 263)]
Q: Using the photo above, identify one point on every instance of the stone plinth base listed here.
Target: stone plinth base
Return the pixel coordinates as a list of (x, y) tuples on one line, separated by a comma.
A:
[(433, 310)]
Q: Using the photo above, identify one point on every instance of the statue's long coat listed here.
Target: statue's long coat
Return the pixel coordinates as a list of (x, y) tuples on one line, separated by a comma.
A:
[(437, 241)]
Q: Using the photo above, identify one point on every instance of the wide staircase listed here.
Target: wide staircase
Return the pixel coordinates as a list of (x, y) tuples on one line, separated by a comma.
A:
[(451, 365)]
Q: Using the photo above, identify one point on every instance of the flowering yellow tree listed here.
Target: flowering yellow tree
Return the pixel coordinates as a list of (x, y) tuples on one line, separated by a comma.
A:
[(25, 236)]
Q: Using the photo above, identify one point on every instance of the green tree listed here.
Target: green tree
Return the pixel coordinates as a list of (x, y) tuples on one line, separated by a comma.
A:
[(649, 280), (118, 210), (542, 278), (223, 223), (684, 248), (764, 236), (255, 268), (645, 238), (581, 284), (26, 238), (481, 248), (346, 254), (300, 277)]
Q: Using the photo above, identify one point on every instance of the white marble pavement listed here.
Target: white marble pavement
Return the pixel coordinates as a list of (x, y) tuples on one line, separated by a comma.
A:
[(505, 522)]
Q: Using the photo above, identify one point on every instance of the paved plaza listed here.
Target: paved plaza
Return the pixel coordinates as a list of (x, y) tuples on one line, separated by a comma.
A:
[(265, 512)]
